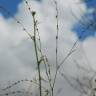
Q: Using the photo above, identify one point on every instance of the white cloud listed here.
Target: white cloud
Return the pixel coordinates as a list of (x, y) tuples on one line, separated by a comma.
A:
[(89, 48)]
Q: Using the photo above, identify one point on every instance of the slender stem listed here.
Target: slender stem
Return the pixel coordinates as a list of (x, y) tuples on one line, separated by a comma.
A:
[(57, 27), (52, 91), (47, 69), (47, 65), (36, 52)]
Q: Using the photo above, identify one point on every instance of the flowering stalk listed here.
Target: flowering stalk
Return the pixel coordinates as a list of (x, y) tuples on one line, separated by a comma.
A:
[(36, 52)]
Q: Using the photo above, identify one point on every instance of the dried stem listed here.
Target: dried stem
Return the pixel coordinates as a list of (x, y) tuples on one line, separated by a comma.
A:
[(36, 52), (57, 27)]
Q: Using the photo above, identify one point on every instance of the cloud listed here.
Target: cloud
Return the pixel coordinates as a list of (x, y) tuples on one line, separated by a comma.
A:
[(10, 65), (89, 48)]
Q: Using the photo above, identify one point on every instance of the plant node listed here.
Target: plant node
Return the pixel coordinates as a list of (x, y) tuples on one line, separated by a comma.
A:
[(33, 13)]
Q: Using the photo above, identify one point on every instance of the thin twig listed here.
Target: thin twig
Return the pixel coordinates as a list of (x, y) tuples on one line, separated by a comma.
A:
[(57, 34)]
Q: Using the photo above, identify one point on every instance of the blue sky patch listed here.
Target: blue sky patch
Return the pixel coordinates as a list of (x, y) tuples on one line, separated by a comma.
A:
[(10, 5), (86, 27), (84, 32), (90, 3)]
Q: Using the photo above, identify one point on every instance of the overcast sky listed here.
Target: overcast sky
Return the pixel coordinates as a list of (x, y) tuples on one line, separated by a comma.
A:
[(17, 60)]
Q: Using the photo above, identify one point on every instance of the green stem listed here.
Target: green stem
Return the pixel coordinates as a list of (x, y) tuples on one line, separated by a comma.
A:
[(37, 58)]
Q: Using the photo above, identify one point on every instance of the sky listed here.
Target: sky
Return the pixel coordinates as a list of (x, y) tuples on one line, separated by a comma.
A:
[(88, 16), (11, 5), (17, 60), (90, 4)]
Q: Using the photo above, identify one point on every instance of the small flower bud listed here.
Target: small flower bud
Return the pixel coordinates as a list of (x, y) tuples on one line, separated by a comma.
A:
[(33, 13)]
